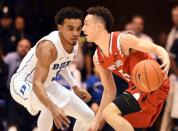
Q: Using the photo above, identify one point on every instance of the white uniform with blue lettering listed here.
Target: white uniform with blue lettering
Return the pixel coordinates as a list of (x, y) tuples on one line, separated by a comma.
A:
[(21, 82)]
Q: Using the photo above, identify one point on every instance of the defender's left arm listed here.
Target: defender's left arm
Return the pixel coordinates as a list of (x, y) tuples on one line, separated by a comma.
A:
[(82, 93)]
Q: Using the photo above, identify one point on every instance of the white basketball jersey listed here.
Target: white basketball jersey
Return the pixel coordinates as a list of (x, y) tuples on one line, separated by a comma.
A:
[(27, 66)]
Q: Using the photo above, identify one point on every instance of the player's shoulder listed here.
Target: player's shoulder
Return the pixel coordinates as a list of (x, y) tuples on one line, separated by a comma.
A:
[(125, 37), (53, 33), (122, 35), (49, 41), (123, 32), (46, 45), (46, 48)]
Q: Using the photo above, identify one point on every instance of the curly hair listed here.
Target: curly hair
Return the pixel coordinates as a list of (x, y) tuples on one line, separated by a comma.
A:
[(69, 13), (104, 14)]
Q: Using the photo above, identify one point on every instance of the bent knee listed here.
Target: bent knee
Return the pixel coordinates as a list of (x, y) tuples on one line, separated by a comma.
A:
[(110, 110), (89, 116)]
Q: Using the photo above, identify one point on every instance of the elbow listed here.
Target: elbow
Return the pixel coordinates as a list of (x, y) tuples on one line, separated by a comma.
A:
[(35, 85)]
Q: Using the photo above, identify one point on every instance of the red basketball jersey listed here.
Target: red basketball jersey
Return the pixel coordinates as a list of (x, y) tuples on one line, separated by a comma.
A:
[(122, 66)]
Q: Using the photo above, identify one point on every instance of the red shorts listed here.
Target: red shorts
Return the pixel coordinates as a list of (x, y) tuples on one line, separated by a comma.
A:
[(151, 105)]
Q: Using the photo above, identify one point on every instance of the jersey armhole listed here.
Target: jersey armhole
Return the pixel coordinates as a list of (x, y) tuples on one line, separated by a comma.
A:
[(95, 57)]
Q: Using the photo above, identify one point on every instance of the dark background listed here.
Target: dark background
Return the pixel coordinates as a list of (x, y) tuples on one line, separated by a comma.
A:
[(40, 13)]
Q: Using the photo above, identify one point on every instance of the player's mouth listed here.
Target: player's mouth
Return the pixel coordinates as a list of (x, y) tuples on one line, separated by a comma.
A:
[(85, 35), (74, 39)]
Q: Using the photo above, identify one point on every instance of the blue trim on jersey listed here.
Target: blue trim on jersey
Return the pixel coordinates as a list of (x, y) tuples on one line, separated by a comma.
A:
[(26, 63), (15, 90), (29, 75), (25, 78)]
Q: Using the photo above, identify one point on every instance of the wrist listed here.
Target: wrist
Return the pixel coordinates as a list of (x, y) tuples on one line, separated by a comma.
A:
[(51, 106)]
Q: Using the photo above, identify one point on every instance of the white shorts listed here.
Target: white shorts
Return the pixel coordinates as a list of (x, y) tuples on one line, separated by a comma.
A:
[(22, 92)]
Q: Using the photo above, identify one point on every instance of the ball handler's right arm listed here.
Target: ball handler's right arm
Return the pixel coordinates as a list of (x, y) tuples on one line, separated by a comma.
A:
[(109, 92), (46, 54)]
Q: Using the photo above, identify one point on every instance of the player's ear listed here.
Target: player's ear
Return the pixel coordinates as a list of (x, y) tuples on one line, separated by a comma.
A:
[(99, 26), (59, 27)]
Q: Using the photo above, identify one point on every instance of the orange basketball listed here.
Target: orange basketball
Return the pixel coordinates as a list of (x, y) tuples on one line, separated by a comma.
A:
[(147, 75)]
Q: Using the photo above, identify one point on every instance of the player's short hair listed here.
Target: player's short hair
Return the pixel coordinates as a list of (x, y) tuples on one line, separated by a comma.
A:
[(175, 8), (104, 14), (69, 13)]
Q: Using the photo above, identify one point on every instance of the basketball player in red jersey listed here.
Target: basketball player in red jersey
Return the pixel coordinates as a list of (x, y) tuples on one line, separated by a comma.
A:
[(118, 52)]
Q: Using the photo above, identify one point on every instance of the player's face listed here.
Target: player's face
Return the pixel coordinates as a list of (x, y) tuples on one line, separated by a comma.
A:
[(70, 30), (90, 28), (175, 16)]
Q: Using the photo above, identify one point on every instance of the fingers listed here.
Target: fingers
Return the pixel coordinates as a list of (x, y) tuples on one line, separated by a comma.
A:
[(163, 65), (58, 124), (61, 121), (86, 97), (65, 120), (165, 68)]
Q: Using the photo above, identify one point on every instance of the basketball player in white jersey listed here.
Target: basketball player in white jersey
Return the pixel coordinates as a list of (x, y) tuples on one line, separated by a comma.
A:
[(34, 85)]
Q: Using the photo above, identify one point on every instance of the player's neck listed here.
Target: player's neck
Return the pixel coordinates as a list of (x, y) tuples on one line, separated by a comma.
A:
[(103, 42), (66, 45)]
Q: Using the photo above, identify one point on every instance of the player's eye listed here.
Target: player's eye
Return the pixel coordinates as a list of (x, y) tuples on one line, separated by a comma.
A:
[(71, 29), (79, 29)]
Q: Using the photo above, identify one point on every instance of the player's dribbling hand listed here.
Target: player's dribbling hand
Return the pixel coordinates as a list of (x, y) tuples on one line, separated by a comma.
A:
[(82, 93), (60, 119), (165, 65)]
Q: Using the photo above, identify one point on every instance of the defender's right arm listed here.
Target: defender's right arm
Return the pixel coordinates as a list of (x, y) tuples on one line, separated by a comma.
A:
[(46, 54)]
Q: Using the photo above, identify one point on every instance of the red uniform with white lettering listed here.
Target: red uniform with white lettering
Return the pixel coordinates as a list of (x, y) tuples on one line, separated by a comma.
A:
[(150, 103)]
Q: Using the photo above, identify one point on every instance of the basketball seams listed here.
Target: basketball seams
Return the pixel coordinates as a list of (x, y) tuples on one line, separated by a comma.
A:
[(146, 77), (141, 75), (136, 81)]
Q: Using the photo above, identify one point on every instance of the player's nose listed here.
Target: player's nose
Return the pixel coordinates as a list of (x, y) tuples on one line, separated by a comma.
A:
[(83, 28), (76, 33)]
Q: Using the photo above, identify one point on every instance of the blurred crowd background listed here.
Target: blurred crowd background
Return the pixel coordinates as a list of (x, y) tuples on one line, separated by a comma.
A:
[(24, 22)]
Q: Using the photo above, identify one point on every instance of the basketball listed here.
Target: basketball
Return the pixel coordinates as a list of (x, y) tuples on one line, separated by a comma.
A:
[(147, 75)]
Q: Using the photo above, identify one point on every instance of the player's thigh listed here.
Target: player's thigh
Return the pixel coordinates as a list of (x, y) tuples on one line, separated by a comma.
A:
[(60, 93), (126, 103), (78, 109), (111, 109)]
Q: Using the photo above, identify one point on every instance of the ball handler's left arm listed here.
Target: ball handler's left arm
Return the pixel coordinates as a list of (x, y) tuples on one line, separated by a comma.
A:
[(82, 93), (129, 41)]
